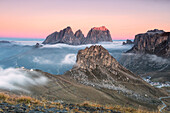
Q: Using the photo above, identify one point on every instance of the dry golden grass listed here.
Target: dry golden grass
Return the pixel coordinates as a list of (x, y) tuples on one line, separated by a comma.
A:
[(13, 99), (91, 104), (117, 108), (26, 99), (4, 96)]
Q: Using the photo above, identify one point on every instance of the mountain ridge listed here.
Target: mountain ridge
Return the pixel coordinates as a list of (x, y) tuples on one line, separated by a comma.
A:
[(152, 42), (95, 35)]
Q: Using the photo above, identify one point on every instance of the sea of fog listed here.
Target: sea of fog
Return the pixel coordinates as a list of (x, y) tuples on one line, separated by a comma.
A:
[(55, 59)]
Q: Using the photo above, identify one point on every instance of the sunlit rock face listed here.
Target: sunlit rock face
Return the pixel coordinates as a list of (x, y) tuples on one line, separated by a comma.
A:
[(152, 42), (98, 34), (95, 55), (103, 28), (95, 35)]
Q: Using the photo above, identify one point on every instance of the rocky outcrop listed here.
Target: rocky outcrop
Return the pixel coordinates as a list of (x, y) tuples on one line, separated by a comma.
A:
[(97, 68), (78, 34), (163, 46), (100, 65), (155, 31), (98, 34), (128, 42), (64, 36), (90, 58), (95, 35), (37, 45), (153, 42)]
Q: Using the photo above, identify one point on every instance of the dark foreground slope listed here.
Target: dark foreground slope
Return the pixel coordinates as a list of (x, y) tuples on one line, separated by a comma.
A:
[(97, 77)]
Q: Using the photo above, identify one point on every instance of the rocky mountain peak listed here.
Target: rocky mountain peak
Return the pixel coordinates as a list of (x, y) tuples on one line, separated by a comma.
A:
[(95, 35), (68, 30), (94, 56), (155, 31), (78, 31), (152, 42), (79, 34), (64, 36), (98, 34), (102, 28), (68, 27), (97, 68)]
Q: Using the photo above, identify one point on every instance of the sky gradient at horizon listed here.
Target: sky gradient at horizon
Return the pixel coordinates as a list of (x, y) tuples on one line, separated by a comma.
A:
[(124, 18)]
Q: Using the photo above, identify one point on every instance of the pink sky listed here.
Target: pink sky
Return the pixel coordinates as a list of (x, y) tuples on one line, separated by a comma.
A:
[(124, 18)]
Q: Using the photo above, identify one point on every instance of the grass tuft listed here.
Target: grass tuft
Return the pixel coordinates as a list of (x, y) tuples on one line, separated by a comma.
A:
[(13, 99)]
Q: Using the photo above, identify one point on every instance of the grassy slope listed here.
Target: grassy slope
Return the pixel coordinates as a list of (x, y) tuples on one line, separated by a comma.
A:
[(31, 102)]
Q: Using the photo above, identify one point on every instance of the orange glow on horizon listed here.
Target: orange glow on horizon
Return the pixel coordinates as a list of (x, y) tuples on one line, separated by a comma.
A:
[(124, 19)]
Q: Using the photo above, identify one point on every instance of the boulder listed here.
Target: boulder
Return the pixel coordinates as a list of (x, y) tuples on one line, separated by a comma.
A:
[(128, 42)]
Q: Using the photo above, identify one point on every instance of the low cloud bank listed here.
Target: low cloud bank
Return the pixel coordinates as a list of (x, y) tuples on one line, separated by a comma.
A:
[(107, 45), (19, 79), (149, 57), (157, 59)]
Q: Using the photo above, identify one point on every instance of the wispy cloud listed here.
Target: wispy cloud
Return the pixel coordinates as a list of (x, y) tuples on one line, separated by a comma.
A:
[(41, 60), (69, 59), (18, 79)]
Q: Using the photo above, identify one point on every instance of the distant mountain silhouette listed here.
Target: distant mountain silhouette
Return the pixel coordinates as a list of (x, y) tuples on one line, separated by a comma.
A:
[(95, 35)]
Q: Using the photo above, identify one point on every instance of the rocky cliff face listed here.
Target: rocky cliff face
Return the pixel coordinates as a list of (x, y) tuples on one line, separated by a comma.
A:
[(95, 35), (152, 42), (64, 36), (163, 46), (78, 34), (97, 65), (90, 58), (98, 34)]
